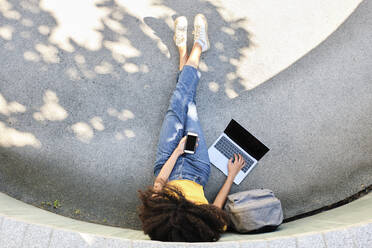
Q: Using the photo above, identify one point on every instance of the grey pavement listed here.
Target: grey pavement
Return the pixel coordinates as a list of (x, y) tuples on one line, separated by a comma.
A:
[(87, 126)]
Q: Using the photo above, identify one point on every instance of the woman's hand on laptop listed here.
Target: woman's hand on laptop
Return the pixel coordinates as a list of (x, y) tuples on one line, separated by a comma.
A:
[(233, 168), (236, 166)]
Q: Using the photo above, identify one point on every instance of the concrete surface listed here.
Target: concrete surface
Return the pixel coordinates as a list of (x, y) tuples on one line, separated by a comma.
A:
[(82, 101), (23, 225)]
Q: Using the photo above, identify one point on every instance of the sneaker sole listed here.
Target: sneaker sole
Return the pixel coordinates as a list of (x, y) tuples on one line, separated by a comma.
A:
[(206, 30)]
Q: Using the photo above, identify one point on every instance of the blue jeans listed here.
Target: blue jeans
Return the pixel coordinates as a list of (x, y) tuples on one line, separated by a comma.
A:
[(180, 118)]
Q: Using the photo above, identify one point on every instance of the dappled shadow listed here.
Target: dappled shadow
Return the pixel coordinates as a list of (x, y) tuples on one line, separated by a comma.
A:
[(88, 84), (228, 39)]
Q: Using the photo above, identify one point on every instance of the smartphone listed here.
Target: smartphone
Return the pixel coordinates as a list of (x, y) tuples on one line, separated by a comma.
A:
[(190, 143)]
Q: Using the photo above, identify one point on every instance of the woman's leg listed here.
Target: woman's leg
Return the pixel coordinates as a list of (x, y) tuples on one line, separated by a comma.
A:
[(174, 123), (183, 56), (192, 121), (194, 57)]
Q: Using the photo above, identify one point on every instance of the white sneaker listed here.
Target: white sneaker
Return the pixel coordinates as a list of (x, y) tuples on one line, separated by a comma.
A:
[(201, 31), (180, 31)]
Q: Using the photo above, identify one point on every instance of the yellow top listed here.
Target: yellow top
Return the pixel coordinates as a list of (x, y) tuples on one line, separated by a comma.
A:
[(193, 191)]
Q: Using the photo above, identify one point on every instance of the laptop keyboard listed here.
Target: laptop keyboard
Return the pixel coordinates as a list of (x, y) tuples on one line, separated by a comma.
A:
[(228, 149)]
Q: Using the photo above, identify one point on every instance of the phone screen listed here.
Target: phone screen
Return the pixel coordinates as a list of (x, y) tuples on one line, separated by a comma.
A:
[(190, 143)]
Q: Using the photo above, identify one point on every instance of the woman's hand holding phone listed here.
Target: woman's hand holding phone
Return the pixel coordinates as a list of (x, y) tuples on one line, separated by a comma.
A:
[(181, 145)]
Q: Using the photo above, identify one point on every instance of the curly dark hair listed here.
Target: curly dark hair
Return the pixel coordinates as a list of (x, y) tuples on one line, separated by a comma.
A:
[(167, 215)]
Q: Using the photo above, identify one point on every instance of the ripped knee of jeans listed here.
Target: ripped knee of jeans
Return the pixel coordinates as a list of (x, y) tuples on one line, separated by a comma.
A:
[(178, 126), (191, 111)]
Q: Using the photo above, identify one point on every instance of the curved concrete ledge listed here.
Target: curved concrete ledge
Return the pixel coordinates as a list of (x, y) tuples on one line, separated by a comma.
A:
[(79, 104), (23, 225)]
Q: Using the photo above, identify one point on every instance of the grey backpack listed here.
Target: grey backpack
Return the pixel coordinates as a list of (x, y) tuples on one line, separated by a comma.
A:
[(253, 211)]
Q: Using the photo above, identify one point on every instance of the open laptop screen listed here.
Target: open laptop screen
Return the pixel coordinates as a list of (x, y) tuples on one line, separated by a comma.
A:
[(245, 140)]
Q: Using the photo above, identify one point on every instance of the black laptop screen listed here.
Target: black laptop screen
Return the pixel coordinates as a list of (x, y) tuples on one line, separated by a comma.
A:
[(245, 140)]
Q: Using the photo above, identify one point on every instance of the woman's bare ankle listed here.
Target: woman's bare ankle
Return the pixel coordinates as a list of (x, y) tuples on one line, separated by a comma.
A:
[(183, 56), (194, 57)]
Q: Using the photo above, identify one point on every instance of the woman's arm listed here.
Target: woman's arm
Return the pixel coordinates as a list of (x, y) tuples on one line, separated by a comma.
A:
[(233, 170), (167, 168)]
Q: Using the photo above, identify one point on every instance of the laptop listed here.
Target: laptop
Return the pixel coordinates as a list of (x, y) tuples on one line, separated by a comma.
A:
[(236, 139)]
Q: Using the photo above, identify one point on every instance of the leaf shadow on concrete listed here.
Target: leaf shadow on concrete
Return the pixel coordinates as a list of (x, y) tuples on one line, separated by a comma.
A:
[(95, 97)]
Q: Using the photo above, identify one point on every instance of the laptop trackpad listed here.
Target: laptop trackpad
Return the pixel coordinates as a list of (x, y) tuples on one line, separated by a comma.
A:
[(218, 159)]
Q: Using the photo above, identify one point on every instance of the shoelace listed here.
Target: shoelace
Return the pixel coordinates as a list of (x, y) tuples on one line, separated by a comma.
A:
[(199, 33), (180, 35)]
